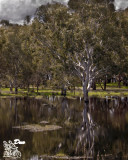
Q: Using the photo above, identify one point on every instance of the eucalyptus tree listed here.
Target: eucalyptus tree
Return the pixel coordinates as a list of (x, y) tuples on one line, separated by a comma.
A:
[(42, 71), (123, 25), (111, 35), (28, 66), (2, 59), (115, 42), (13, 55), (74, 40)]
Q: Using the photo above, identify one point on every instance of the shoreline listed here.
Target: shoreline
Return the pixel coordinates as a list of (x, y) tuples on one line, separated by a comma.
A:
[(70, 94)]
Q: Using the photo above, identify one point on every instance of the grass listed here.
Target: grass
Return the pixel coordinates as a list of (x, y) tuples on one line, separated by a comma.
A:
[(112, 90), (38, 128), (113, 86), (108, 93), (61, 155)]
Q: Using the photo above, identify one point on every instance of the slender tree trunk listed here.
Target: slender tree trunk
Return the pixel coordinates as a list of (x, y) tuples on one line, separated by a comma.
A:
[(105, 82), (37, 87), (15, 83), (11, 87), (94, 85), (16, 90), (63, 91), (119, 81), (85, 91), (33, 88), (74, 90), (11, 90), (28, 87), (101, 85), (109, 80), (125, 81)]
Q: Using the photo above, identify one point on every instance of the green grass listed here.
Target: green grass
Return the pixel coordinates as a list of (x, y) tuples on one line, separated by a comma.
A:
[(108, 93), (112, 86), (112, 90), (61, 155)]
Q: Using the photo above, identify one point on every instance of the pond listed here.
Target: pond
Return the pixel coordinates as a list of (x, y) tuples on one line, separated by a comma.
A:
[(98, 130)]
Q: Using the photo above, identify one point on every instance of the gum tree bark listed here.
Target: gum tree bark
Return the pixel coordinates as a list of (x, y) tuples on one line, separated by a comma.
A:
[(85, 69)]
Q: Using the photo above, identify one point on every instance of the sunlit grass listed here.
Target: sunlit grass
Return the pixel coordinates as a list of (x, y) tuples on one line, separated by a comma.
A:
[(61, 154), (112, 90), (112, 86), (107, 93)]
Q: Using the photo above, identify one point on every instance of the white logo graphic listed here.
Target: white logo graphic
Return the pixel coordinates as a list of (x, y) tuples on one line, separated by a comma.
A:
[(10, 149)]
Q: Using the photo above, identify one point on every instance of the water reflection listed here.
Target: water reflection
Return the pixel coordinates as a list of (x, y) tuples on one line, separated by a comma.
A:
[(86, 134), (96, 130)]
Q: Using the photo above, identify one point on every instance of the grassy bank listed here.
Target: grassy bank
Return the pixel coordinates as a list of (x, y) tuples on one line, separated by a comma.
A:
[(112, 90)]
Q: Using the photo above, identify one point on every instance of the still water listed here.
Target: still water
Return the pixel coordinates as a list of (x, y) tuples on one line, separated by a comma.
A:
[(98, 130)]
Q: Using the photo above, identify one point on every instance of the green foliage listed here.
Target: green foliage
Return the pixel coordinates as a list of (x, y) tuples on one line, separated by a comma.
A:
[(44, 52)]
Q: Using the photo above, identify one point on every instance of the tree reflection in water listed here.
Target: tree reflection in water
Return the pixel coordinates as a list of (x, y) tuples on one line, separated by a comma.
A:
[(65, 109), (86, 133), (98, 128)]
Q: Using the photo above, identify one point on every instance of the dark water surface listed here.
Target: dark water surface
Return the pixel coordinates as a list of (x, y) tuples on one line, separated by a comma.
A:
[(98, 131)]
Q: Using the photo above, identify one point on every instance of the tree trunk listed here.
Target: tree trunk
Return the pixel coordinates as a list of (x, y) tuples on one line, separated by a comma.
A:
[(109, 80), (94, 85), (119, 81), (105, 82), (11, 87), (101, 85), (28, 87), (16, 88), (85, 91), (37, 87), (33, 88), (74, 90), (63, 91)]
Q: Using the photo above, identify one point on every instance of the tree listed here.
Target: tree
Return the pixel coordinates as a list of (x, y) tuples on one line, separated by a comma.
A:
[(72, 41), (85, 40), (2, 59), (13, 55)]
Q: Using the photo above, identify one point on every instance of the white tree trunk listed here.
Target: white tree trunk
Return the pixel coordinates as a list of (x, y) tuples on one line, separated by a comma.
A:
[(85, 92), (85, 69)]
